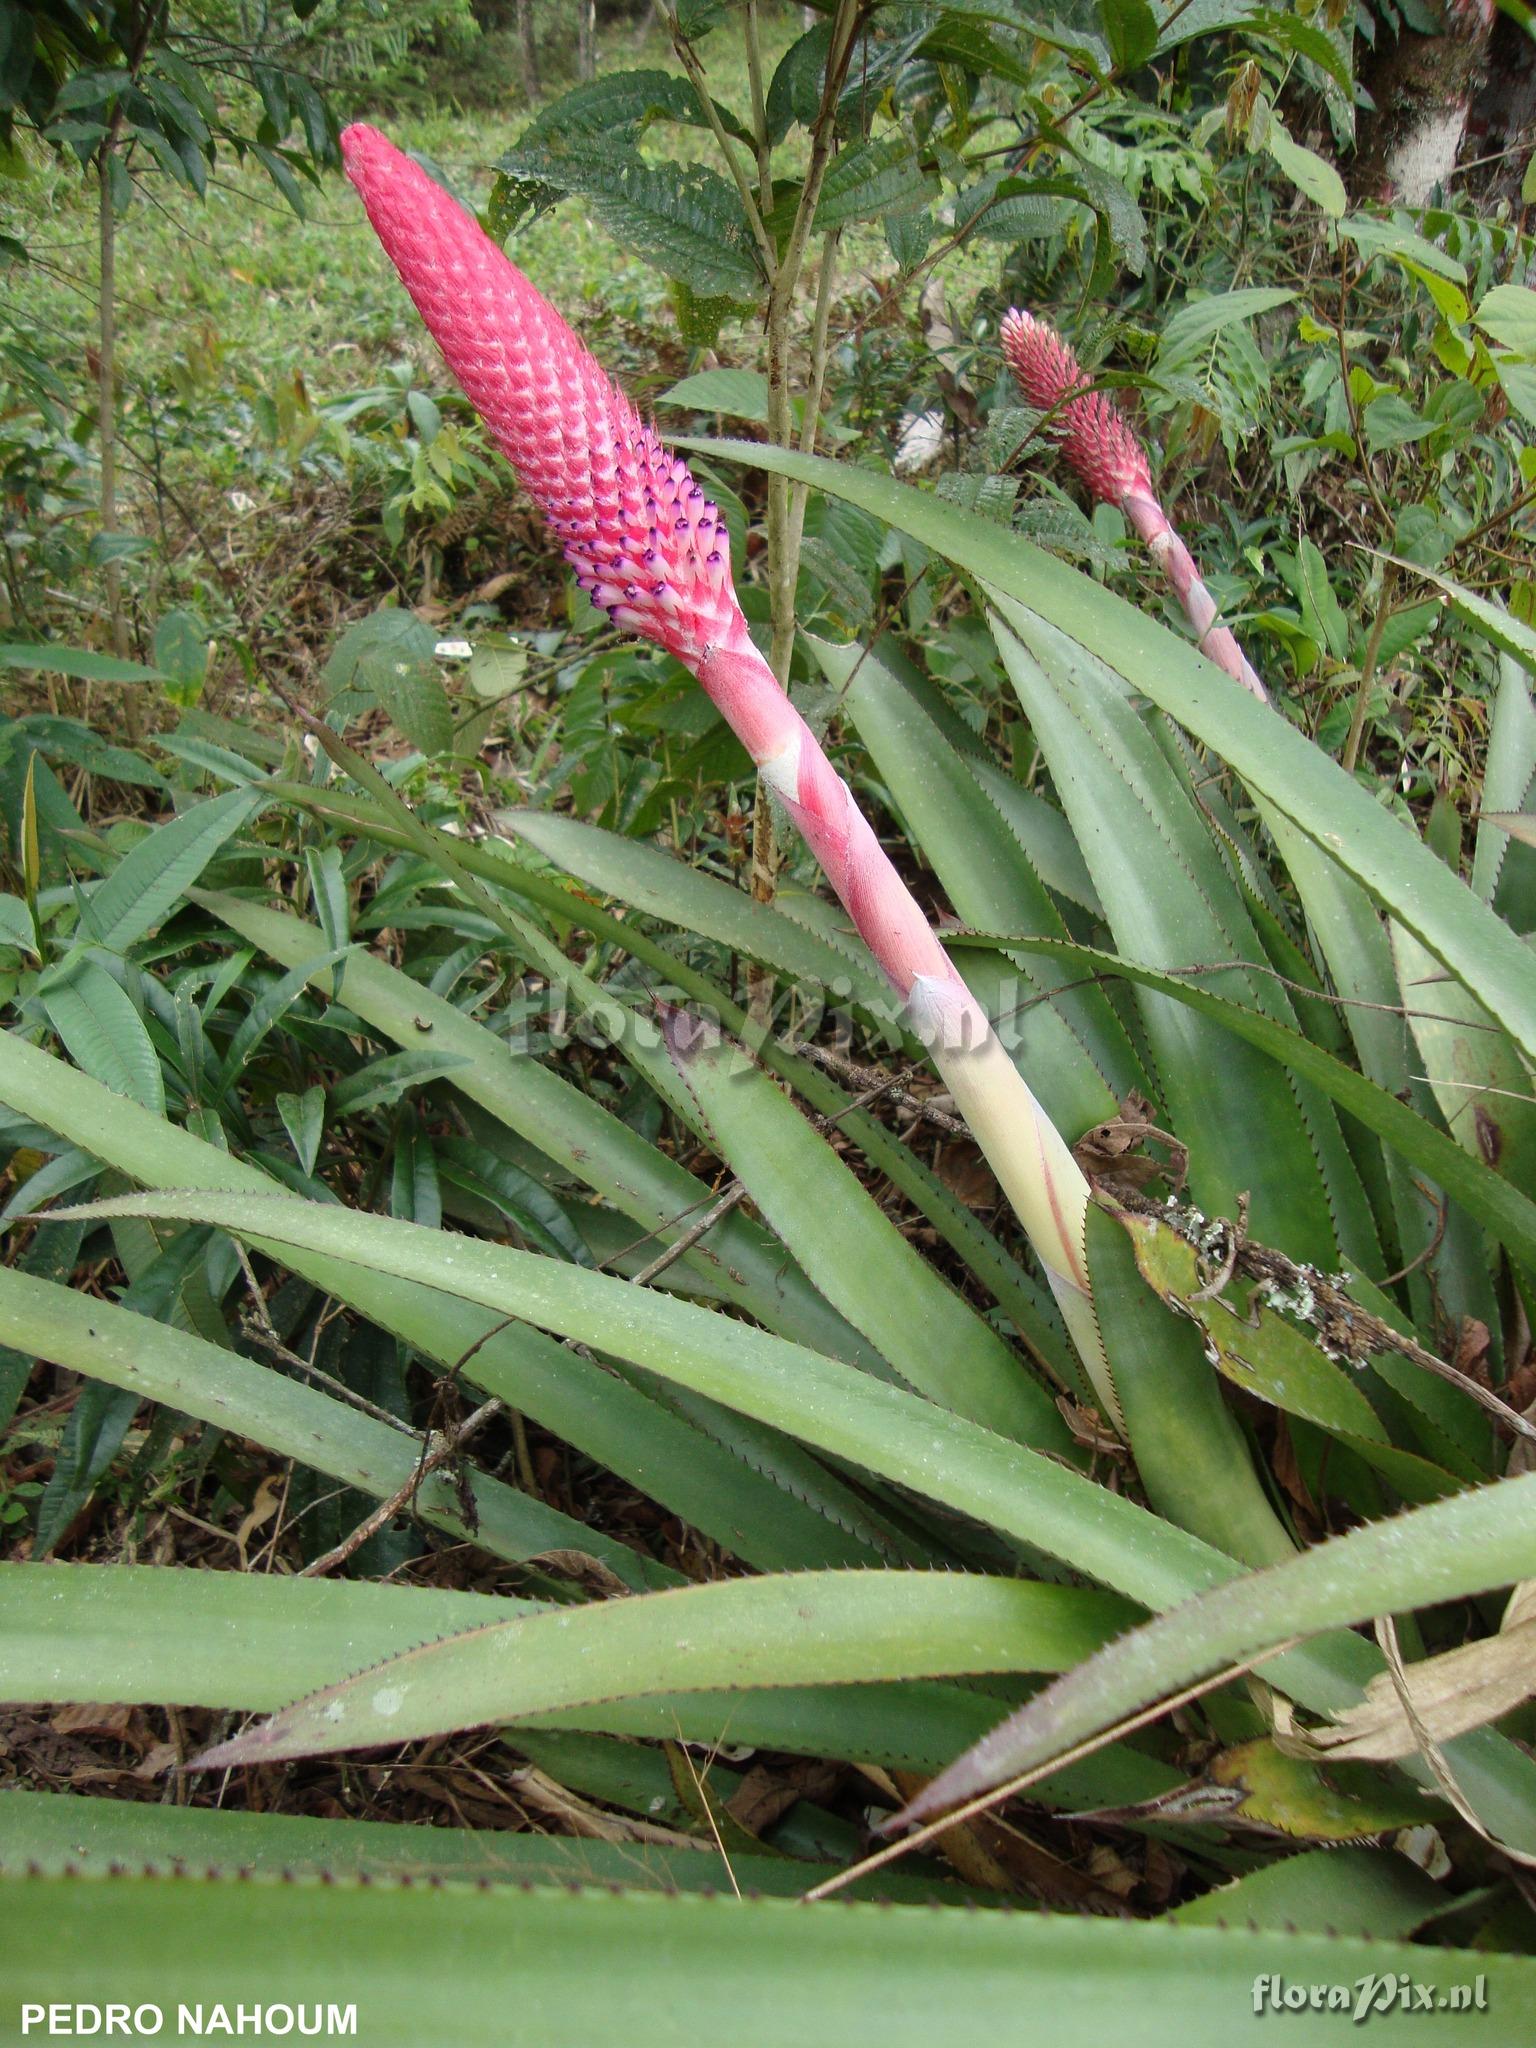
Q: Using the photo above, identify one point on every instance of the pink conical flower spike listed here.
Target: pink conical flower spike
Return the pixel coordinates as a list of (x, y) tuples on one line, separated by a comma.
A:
[(1111, 461), (647, 545)]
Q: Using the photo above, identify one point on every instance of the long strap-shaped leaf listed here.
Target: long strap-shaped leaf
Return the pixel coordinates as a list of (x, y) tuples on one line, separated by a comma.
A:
[(1507, 1211), (254, 1642), (209, 1639), (428, 1664), (850, 1247), (1190, 1453), (822, 1521), (841, 1411), (1446, 1551), (159, 1363), (45, 1834), (1169, 897), (542, 1969), (1271, 756), (719, 916), (952, 1354)]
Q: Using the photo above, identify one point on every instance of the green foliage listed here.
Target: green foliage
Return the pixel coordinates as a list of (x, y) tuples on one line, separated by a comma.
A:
[(427, 1061), (684, 218), (105, 80), (692, 1956)]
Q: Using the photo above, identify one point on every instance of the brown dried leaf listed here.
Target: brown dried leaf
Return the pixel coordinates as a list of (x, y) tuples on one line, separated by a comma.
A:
[(1447, 1695), (762, 1797), (114, 1722), (261, 1511), (965, 1172)]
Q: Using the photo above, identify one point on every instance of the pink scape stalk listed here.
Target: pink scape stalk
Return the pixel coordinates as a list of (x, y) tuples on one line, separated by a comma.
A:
[(649, 547), (1112, 463)]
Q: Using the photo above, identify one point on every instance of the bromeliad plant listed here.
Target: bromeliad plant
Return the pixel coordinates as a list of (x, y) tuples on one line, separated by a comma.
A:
[(649, 549), (1112, 463), (905, 1514)]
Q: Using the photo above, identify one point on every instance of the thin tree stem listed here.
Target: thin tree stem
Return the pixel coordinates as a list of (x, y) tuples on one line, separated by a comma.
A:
[(436, 1451), (759, 105), (786, 511), (688, 57), (799, 493), (106, 404), (783, 550)]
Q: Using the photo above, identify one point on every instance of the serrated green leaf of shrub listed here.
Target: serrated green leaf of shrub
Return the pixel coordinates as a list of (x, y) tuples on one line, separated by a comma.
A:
[(1392, 238), (740, 394), (1508, 314), (93, 1436), (1188, 330), (383, 1081), (148, 883), (682, 217), (304, 1120), (16, 925), (1390, 422), (1132, 31), (181, 650), (497, 668), (67, 739), (1311, 174), (620, 100), (870, 179), (1320, 608), (391, 655), (103, 1033)]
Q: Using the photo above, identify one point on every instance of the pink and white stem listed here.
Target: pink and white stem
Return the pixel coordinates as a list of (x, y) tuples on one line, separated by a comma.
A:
[(1100, 446), (651, 550)]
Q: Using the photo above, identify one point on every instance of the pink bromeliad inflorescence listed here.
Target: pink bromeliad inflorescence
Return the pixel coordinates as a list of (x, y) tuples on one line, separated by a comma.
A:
[(647, 545), (1101, 447)]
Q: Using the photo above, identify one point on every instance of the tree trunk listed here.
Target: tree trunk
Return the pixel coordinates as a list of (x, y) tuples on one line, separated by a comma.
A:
[(528, 46), (1502, 123), (586, 39), (1423, 87)]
